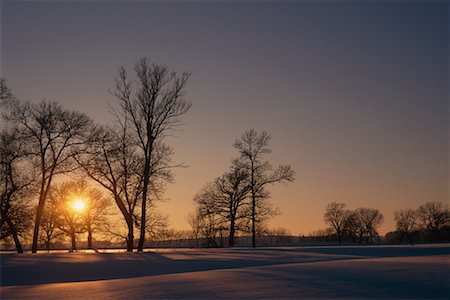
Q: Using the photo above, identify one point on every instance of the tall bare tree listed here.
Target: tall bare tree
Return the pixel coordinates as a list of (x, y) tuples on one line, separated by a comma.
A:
[(53, 135), (253, 146), (154, 103), (16, 179), (16, 184)]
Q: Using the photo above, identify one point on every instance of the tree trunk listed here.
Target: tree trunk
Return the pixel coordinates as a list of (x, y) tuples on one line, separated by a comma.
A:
[(45, 185), (231, 237), (37, 223), (13, 230), (74, 241), (89, 239), (144, 200), (253, 206), (130, 239)]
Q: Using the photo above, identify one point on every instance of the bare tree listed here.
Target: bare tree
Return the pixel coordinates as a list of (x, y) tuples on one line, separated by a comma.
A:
[(157, 226), (406, 222), (70, 215), (195, 222), (49, 231), (112, 162), (208, 223), (154, 104), (53, 135), (226, 197), (370, 219), (15, 186), (252, 147), (94, 213), (338, 218), (16, 179), (434, 216)]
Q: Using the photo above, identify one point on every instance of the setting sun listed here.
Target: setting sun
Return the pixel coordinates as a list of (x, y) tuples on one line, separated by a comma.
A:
[(78, 205)]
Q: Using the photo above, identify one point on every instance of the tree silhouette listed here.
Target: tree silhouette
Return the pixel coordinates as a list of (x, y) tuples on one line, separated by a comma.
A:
[(153, 104), (369, 220), (53, 135), (434, 216), (49, 230), (16, 183), (226, 198), (111, 161), (94, 214), (406, 222), (337, 217), (69, 220), (253, 146), (16, 177)]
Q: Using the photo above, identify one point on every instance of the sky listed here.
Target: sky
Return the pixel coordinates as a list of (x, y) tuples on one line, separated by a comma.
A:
[(354, 95)]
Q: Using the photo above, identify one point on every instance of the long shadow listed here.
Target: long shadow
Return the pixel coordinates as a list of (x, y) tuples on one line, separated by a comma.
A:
[(373, 251), (57, 268)]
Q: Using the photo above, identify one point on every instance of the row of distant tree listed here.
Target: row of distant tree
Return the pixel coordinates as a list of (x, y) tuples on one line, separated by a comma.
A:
[(430, 222)]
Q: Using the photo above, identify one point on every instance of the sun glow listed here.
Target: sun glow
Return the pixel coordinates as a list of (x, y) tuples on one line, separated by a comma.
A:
[(78, 205)]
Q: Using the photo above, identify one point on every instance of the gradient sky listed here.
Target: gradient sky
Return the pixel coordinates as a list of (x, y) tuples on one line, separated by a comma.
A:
[(355, 95)]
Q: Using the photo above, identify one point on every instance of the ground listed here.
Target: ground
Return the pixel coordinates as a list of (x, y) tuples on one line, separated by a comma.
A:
[(349, 272)]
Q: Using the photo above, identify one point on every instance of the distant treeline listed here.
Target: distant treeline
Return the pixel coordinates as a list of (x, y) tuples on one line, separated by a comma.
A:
[(430, 222)]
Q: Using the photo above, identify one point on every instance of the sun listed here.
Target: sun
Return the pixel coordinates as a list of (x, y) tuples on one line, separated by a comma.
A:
[(78, 205)]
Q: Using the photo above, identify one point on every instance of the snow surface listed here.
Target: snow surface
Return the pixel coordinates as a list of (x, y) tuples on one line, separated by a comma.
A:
[(350, 272)]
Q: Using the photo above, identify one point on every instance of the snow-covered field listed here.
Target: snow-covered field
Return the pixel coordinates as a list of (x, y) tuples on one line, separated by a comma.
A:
[(381, 272)]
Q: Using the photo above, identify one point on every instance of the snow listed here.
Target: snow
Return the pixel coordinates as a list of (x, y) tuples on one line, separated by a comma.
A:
[(350, 272)]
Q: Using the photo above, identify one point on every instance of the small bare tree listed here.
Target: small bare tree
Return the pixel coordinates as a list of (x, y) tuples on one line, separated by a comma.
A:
[(337, 217), (226, 198), (434, 217), (157, 226), (49, 231), (154, 103), (406, 222), (95, 211), (253, 146), (69, 215), (195, 222), (369, 219)]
